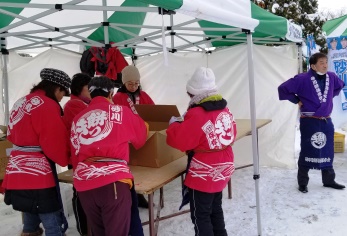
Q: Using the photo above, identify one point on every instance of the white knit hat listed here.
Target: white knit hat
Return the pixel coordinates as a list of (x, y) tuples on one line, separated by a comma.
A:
[(130, 73), (202, 80)]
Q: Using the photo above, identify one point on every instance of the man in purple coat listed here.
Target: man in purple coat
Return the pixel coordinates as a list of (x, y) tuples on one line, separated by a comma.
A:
[(314, 92)]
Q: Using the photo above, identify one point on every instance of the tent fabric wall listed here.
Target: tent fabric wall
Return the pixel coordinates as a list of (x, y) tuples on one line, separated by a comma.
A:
[(14, 61), (166, 85), (25, 72)]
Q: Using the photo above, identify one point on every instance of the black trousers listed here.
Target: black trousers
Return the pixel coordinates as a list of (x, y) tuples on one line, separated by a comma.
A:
[(206, 213), (80, 215), (328, 175)]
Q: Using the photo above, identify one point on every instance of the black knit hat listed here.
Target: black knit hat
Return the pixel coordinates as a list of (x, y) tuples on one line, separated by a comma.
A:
[(58, 77)]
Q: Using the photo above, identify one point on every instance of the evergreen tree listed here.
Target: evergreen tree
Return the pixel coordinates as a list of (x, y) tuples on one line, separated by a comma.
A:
[(300, 12)]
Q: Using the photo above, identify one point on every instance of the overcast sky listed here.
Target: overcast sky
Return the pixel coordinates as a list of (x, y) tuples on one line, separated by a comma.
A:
[(332, 4)]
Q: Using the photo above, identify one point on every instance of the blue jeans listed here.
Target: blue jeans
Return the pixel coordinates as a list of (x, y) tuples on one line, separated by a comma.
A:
[(52, 222)]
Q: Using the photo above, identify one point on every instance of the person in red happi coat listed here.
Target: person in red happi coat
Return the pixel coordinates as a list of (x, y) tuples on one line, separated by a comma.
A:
[(129, 94), (206, 133), (79, 100), (100, 137), (40, 140)]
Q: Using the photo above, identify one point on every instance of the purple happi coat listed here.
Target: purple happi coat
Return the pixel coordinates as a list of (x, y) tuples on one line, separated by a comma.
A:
[(305, 88)]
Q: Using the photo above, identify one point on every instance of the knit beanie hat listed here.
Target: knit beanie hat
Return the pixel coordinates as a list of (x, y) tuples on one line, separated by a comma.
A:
[(130, 73), (202, 81), (56, 76)]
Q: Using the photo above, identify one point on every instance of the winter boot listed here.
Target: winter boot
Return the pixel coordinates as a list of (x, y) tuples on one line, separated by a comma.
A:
[(334, 185), (303, 188)]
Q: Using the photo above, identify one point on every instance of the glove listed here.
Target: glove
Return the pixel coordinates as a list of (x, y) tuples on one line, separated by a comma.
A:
[(147, 127), (175, 119)]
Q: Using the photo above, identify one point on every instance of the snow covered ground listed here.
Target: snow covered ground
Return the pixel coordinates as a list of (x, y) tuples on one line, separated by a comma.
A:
[(284, 210)]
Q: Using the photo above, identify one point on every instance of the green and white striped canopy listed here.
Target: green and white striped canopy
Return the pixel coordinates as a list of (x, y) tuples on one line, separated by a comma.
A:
[(336, 27), (139, 27)]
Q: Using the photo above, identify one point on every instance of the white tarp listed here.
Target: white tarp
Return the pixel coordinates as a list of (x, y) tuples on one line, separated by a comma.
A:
[(45, 19), (228, 12), (166, 85)]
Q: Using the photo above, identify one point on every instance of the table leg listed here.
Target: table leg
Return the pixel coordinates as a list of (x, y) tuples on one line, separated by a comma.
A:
[(161, 196), (160, 205), (151, 215), (229, 189)]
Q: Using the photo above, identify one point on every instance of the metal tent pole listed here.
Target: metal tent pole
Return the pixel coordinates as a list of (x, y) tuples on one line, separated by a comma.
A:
[(68, 6), (32, 18), (300, 57), (106, 24), (255, 150), (5, 101), (172, 32)]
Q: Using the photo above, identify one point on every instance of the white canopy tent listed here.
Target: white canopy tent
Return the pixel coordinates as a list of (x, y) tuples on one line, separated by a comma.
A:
[(228, 12), (166, 85)]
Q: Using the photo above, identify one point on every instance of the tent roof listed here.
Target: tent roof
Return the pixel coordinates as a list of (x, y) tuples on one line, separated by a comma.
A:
[(136, 24), (336, 27)]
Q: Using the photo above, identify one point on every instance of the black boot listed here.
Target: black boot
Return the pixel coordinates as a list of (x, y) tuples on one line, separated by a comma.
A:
[(334, 185), (303, 188), (142, 202)]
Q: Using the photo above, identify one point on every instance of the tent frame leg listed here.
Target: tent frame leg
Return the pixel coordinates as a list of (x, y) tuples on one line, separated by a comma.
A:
[(4, 55), (255, 149)]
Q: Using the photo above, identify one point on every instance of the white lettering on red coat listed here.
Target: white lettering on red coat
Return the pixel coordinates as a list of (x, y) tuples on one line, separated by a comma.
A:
[(220, 133), (94, 126), (21, 108)]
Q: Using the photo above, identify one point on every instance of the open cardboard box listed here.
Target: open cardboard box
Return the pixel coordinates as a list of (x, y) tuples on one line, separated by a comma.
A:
[(155, 152), (4, 144)]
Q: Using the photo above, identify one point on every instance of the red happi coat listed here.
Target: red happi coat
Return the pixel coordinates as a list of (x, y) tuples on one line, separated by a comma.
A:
[(121, 98), (104, 130), (205, 132), (74, 106), (35, 121)]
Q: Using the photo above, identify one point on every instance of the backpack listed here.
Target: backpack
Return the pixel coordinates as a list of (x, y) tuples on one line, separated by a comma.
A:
[(104, 61), (86, 65)]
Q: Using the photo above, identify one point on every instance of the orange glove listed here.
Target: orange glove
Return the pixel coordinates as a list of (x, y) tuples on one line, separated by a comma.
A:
[(147, 127)]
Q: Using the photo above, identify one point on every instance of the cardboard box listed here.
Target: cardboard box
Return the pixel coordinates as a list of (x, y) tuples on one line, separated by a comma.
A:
[(4, 144), (155, 152), (339, 142)]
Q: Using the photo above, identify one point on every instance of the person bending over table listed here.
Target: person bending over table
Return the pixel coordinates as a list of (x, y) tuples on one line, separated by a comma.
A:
[(40, 141), (100, 137), (129, 94), (206, 133), (79, 100)]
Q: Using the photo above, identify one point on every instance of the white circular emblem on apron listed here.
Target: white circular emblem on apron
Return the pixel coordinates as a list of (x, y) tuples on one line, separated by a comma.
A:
[(318, 140)]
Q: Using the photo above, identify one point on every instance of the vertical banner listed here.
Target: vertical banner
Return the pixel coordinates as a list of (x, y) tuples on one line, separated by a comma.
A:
[(311, 48), (337, 62)]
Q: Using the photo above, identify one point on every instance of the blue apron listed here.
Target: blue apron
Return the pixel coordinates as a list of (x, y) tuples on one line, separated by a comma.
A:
[(317, 143)]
